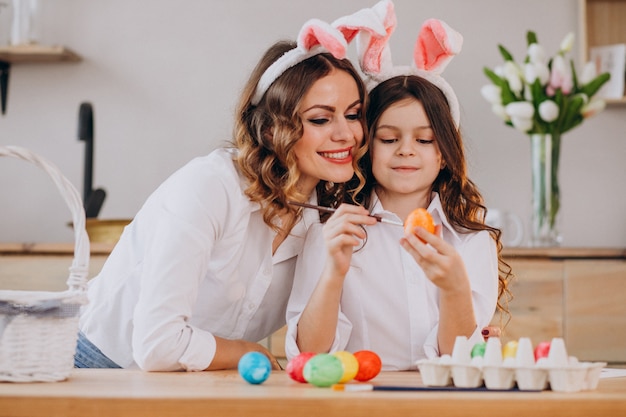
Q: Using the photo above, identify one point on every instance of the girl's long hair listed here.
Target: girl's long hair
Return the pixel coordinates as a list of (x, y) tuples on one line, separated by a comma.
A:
[(460, 198)]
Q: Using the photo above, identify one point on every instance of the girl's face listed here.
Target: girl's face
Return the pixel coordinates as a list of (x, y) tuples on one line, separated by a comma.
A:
[(405, 155), (331, 117)]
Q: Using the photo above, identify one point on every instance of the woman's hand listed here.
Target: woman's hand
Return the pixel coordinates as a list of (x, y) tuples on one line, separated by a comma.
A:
[(228, 352)]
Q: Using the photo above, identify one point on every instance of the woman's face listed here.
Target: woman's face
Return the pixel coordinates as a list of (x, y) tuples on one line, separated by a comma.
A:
[(405, 155), (331, 118)]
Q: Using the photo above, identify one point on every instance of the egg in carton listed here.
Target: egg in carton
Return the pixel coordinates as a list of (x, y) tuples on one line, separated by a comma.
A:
[(501, 368)]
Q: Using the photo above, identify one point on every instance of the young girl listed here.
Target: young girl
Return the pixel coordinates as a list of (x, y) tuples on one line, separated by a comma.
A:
[(404, 296), (205, 269)]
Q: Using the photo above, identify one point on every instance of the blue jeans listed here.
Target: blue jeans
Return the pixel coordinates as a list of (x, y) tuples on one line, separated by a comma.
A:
[(89, 356)]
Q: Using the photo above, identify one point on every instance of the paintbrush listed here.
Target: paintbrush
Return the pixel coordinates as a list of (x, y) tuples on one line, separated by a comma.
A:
[(332, 210), (370, 387)]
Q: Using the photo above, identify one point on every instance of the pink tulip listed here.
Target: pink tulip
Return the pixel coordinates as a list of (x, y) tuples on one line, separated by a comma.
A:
[(560, 76)]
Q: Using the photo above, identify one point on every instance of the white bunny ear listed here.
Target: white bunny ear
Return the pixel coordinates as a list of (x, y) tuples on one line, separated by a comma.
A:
[(372, 44), (363, 20), (315, 37), (316, 32), (437, 43)]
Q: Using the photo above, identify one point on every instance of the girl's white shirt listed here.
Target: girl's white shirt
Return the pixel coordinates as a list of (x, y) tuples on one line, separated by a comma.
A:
[(196, 262), (388, 305)]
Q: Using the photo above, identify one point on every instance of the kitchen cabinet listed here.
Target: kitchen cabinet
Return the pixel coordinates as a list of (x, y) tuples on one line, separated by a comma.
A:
[(574, 293)]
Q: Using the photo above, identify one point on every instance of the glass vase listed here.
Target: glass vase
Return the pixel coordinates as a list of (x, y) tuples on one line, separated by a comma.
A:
[(546, 199)]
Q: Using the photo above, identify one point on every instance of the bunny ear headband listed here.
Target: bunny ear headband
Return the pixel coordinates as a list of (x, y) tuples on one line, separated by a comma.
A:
[(317, 37), (436, 45)]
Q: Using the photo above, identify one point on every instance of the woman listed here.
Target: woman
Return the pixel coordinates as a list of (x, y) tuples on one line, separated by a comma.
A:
[(205, 269)]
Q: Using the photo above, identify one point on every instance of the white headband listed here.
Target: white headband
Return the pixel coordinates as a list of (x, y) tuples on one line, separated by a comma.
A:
[(436, 45), (316, 37)]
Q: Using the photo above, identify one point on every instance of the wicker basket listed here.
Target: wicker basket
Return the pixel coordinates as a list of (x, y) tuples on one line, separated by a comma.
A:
[(39, 329)]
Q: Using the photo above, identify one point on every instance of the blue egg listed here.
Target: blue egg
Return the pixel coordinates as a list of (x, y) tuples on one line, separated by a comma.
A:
[(254, 367)]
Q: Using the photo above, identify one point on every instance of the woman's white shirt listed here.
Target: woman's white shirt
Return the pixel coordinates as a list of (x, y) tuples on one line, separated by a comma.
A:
[(196, 262), (388, 305)]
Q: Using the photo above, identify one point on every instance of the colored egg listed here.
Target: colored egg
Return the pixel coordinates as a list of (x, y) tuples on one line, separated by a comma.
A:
[(479, 349), (419, 217), (295, 366), (542, 350), (254, 367), (510, 350), (350, 365), (323, 370), (369, 365)]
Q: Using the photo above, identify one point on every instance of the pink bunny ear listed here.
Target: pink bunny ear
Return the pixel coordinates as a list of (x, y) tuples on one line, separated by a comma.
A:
[(317, 32), (315, 37), (373, 48), (437, 43)]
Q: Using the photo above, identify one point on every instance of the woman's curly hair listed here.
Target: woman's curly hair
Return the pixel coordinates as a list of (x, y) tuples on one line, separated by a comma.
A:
[(265, 134)]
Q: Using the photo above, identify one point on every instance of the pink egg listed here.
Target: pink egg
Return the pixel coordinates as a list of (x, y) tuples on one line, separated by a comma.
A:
[(542, 350), (296, 365)]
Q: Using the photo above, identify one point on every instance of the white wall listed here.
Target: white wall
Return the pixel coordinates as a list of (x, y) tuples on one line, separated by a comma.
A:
[(163, 77)]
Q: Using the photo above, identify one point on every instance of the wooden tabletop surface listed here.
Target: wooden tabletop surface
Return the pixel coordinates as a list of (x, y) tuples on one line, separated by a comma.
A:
[(97, 392)]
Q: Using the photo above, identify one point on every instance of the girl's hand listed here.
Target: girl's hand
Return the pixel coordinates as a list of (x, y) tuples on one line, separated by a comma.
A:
[(342, 233), (441, 263)]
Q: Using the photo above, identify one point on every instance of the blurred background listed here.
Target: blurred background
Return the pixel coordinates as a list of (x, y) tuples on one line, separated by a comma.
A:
[(163, 78)]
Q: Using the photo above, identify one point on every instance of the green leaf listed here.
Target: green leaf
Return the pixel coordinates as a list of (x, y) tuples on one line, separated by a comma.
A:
[(493, 77), (574, 77), (531, 38), (594, 85), (505, 54), (572, 116)]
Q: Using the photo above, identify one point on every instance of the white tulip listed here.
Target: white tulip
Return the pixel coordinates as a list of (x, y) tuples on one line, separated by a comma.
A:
[(595, 106), (549, 111), (543, 73), (588, 73), (498, 110), (522, 124), (491, 93), (512, 75), (536, 54), (528, 94), (530, 73), (499, 71), (567, 42), (522, 109)]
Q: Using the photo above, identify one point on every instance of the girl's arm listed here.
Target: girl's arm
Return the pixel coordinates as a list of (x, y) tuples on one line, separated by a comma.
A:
[(318, 322), (444, 266)]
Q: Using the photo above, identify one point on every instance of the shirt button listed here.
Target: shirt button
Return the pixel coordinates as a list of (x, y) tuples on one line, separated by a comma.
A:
[(251, 306)]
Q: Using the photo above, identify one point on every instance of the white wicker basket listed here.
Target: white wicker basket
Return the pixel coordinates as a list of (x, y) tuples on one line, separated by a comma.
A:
[(39, 329)]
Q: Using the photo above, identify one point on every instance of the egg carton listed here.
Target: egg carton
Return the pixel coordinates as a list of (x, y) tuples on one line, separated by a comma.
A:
[(556, 371)]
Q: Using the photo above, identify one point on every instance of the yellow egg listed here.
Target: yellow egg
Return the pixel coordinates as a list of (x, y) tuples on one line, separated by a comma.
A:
[(350, 365), (510, 350)]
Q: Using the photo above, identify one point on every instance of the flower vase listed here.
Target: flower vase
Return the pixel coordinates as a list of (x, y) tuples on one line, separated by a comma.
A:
[(546, 201)]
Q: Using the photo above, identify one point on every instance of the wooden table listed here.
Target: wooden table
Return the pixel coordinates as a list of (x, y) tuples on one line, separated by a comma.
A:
[(94, 392)]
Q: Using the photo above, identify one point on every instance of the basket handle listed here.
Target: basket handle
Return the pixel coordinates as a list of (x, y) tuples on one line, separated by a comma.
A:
[(79, 269)]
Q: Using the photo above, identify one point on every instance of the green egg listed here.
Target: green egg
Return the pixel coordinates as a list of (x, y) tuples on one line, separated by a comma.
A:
[(479, 349), (323, 370)]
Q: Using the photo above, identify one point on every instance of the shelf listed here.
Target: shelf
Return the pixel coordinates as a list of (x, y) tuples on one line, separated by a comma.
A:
[(602, 22), (29, 54), (37, 54)]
